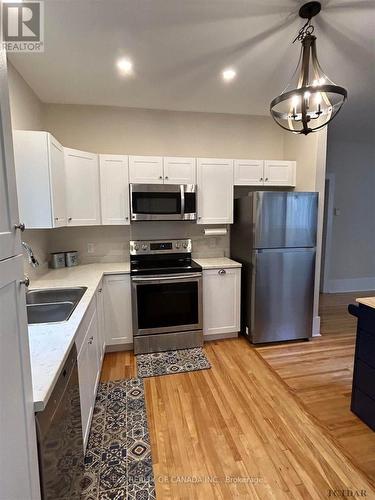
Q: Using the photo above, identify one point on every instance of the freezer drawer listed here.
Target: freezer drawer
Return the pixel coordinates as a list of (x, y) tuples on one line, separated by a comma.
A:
[(282, 294)]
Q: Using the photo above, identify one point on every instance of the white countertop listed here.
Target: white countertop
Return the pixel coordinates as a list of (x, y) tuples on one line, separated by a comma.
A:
[(50, 343), (217, 262), (367, 301)]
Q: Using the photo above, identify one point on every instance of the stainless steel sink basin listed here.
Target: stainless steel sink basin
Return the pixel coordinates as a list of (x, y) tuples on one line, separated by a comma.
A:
[(52, 305)]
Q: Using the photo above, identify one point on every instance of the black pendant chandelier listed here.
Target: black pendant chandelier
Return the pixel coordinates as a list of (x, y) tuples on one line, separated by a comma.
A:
[(311, 100)]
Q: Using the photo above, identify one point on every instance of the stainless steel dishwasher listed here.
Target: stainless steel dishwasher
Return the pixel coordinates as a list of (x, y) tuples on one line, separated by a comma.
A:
[(60, 442)]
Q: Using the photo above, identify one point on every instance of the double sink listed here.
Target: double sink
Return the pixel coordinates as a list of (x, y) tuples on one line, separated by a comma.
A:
[(52, 305)]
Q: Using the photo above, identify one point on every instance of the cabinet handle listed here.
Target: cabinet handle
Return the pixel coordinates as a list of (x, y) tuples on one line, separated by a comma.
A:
[(69, 219), (21, 226), (25, 281), (266, 179), (160, 176), (56, 218), (100, 290), (91, 340), (222, 272), (126, 218), (199, 217), (261, 179), (166, 177)]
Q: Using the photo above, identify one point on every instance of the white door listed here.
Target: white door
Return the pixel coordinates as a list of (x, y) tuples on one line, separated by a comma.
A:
[(279, 173), (57, 180), (114, 189), (82, 188), (117, 310), (178, 170), (146, 169), (248, 173), (221, 301), (10, 241), (215, 191), (19, 477)]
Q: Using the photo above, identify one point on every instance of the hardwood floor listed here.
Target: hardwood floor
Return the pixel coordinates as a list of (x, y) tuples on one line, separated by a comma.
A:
[(319, 373), (261, 423)]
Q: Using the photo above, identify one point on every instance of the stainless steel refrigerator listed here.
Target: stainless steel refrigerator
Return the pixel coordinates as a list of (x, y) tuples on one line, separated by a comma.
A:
[(274, 237)]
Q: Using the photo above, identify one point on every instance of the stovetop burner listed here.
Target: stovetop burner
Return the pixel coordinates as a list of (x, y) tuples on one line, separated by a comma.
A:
[(162, 257)]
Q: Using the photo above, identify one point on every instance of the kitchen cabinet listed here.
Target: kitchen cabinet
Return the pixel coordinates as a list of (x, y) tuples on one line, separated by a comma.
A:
[(162, 170), (146, 169), (82, 188), (87, 343), (101, 328), (221, 301), (215, 191), (248, 172), (178, 170), (264, 173), (114, 189), (117, 310), (39, 162), (279, 173)]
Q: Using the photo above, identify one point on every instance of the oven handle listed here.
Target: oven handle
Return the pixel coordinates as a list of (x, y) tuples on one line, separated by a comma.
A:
[(167, 278)]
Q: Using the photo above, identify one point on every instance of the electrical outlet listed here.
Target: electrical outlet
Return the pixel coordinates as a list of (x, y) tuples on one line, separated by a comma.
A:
[(90, 247)]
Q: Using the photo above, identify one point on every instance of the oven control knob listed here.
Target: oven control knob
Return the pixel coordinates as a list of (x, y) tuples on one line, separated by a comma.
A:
[(185, 244), (178, 245), (136, 247), (144, 246)]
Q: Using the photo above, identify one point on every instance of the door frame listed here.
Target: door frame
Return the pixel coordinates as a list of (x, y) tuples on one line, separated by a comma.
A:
[(327, 236)]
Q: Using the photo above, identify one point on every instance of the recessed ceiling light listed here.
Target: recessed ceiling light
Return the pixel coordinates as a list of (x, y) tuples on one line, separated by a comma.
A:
[(228, 74), (125, 66)]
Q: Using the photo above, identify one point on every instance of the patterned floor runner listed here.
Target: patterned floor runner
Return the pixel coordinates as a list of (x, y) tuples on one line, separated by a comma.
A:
[(169, 362), (118, 462)]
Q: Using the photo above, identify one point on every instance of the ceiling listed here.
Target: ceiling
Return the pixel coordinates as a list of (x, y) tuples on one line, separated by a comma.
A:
[(180, 47)]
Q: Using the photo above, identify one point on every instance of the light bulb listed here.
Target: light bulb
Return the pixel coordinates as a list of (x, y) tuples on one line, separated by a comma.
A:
[(318, 97), (295, 100)]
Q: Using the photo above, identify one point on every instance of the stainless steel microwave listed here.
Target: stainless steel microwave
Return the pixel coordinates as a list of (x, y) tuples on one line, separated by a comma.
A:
[(163, 202)]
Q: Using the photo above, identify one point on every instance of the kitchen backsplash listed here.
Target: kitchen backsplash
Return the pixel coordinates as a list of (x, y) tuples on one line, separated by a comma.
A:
[(111, 243)]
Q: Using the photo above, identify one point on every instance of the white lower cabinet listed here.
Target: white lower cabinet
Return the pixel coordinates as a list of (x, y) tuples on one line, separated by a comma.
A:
[(221, 302), (101, 328), (87, 342), (118, 310)]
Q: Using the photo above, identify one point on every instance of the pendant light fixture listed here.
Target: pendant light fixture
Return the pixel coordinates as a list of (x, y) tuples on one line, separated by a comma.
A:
[(311, 100)]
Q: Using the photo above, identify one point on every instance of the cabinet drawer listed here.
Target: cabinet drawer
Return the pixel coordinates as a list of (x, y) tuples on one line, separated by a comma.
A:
[(364, 378), (364, 407), (82, 330), (366, 347)]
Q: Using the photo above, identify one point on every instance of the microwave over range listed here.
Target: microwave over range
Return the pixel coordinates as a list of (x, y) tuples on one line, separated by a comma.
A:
[(163, 202)]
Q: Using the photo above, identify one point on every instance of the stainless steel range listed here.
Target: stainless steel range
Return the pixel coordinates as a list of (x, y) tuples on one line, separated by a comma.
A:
[(166, 296)]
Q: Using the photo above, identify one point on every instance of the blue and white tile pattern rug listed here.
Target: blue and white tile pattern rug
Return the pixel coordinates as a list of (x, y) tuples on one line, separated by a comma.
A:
[(118, 462), (169, 362)]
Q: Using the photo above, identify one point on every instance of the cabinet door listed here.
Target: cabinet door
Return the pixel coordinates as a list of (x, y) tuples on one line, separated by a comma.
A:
[(10, 241), (19, 476), (117, 310), (101, 328), (114, 189), (82, 188), (57, 182), (221, 301), (248, 172), (215, 191), (178, 170), (279, 173), (146, 169)]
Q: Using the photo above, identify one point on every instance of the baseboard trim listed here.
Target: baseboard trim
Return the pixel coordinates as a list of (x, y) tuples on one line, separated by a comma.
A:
[(351, 285), (316, 327), (219, 336), (119, 347)]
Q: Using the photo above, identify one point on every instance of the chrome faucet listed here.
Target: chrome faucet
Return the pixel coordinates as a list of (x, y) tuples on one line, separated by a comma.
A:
[(33, 261)]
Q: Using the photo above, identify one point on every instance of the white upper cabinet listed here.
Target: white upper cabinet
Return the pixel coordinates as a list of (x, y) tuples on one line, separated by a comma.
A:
[(178, 170), (146, 169), (39, 161), (114, 189), (248, 172), (215, 191), (10, 241), (279, 173), (82, 188)]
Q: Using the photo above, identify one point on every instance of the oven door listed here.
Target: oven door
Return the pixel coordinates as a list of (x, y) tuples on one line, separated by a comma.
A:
[(167, 303)]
